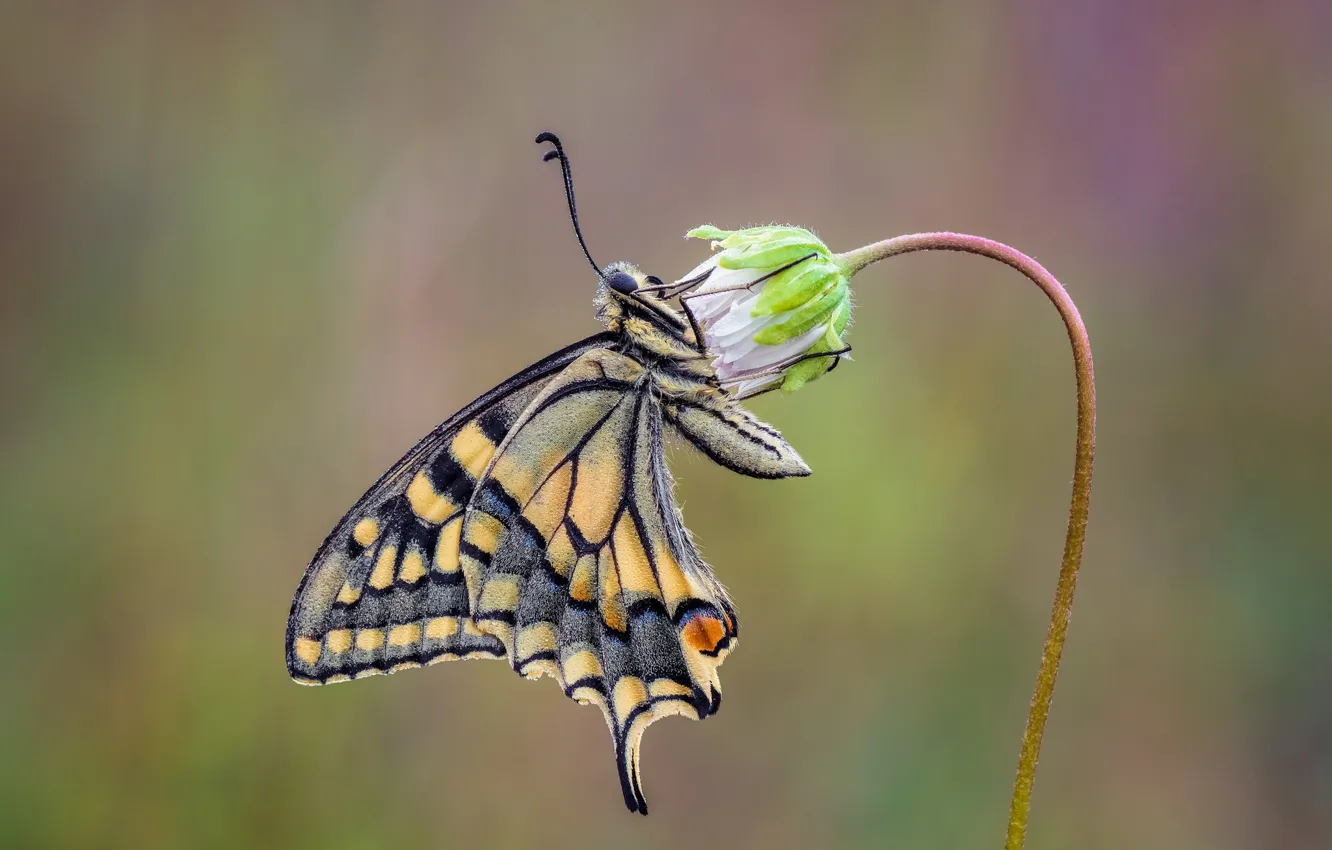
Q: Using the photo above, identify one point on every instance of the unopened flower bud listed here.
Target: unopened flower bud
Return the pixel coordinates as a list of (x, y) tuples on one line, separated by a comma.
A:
[(773, 306)]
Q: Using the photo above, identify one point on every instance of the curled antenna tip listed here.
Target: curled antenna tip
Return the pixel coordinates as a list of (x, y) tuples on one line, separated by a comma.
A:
[(558, 153)]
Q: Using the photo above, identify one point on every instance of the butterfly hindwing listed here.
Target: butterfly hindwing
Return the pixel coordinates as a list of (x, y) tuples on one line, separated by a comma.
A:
[(576, 560), (384, 591)]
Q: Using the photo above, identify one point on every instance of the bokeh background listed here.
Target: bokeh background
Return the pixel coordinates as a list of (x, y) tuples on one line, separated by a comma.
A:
[(250, 252)]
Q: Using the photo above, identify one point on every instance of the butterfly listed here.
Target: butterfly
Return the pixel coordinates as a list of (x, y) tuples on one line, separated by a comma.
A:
[(538, 525)]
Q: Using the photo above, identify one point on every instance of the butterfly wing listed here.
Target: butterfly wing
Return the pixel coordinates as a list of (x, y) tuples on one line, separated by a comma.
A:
[(384, 592), (576, 560)]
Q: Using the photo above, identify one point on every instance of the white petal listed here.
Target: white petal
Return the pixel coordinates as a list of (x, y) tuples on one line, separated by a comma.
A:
[(722, 342), (711, 308), (767, 356), (738, 349), (730, 278), (745, 387), (727, 288), (740, 315)]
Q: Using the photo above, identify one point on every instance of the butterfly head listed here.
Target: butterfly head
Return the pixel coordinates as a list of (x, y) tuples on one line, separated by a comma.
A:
[(633, 303), (625, 291)]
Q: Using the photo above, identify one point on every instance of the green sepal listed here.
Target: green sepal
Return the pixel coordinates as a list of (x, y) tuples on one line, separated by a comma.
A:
[(760, 247), (841, 320), (816, 367), (804, 372), (793, 287), (765, 233), (811, 315), (769, 255), (770, 250), (708, 231)]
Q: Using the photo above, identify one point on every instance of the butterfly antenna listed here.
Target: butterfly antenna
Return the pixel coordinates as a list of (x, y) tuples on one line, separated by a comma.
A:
[(558, 153)]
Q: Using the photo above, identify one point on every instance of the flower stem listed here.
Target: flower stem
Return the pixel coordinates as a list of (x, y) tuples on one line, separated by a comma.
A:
[(854, 261)]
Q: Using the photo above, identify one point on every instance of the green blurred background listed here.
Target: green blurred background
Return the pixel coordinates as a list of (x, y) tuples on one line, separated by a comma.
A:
[(250, 252)]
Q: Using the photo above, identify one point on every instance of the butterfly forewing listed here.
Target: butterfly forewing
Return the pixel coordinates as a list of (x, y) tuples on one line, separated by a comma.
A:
[(384, 591)]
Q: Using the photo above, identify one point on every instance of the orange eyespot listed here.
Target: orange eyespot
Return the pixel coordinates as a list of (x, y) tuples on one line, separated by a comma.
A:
[(703, 633)]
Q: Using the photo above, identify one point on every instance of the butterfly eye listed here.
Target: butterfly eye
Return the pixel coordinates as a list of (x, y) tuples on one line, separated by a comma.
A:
[(622, 282)]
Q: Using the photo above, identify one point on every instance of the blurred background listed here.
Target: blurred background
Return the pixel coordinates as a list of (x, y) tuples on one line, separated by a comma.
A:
[(251, 252)]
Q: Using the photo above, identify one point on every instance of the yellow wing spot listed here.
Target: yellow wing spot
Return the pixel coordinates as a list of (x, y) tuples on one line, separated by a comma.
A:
[(539, 637), (560, 552), (404, 635), (583, 585), (588, 696), (339, 641), (612, 605), (441, 627), (519, 469), (629, 693), (582, 665), (365, 531), (430, 506), (368, 640), (500, 593), (413, 566), (676, 586), (668, 688), (470, 628), (382, 576), (546, 509), (307, 649), (471, 571), (446, 550), (600, 485), (472, 449), (543, 667), (634, 569), (348, 595), (482, 531)]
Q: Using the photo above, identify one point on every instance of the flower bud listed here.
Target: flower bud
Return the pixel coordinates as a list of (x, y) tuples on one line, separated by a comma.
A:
[(771, 300)]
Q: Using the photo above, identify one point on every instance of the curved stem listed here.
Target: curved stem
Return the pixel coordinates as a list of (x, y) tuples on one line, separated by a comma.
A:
[(854, 261)]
